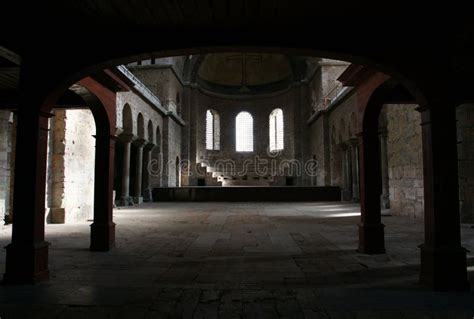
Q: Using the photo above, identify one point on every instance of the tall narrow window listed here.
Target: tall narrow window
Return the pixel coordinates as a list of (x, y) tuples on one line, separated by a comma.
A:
[(276, 130), (212, 130), (244, 132)]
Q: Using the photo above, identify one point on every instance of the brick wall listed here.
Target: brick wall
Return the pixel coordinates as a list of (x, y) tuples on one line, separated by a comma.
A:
[(405, 160), (70, 191)]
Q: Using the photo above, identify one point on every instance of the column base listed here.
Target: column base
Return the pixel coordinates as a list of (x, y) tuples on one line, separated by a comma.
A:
[(385, 201), (371, 239), (138, 200), (26, 264), (102, 236), (126, 201), (147, 196), (346, 195), (444, 268)]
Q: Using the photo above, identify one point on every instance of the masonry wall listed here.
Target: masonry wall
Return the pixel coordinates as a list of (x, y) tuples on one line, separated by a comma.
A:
[(343, 126), (260, 109), (318, 151), (70, 191), (6, 163), (139, 106), (465, 125), (163, 82), (171, 150), (405, 160)]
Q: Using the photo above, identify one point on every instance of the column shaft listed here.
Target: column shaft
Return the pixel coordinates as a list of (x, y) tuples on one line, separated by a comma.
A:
[(385, 197), (103, 227), (127, 147), (443, 260), (137, 187), (355, 170), (371, 229), (27, 254), (147, 191)]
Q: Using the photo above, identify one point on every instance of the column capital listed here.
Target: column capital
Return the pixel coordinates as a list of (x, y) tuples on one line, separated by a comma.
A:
[(139, 142), (354, 141), (126, 138)]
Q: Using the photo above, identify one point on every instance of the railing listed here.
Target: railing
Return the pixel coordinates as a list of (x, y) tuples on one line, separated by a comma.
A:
[(332, 95), (146, 92), (166, 107)]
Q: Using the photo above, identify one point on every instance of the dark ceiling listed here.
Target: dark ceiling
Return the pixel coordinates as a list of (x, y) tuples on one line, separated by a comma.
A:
[(409, 40)]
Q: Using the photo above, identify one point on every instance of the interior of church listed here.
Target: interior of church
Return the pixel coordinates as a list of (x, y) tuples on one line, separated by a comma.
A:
[(212, 177)]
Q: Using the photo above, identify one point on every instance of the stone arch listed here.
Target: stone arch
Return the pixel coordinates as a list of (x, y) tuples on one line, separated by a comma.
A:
[(127, 119), (140, 126), (150, 132)]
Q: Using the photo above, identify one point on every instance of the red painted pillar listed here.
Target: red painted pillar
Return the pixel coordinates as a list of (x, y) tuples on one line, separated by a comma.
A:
[(371, 229), (443, 260), (103, 227), (27, 254)]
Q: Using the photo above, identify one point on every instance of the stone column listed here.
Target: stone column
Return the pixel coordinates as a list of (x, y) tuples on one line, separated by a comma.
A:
[(127, 139), (385, 197), (443, 259), (27, 254), (103, 227), (346, 173), (137, 187), (147, 194), (355, 168), (371, 229)]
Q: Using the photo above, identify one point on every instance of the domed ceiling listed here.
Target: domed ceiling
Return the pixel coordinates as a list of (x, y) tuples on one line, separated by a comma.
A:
[(246, 71)]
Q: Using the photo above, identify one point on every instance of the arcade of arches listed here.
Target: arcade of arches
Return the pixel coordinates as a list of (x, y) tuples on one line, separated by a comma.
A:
[(187, 128)]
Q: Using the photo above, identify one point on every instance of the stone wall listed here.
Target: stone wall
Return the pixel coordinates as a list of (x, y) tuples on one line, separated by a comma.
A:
[(6, 164), (260, 109), (405, 159), (163, 82), (465, 117), (71, 157), (318, 150), (171, 151)]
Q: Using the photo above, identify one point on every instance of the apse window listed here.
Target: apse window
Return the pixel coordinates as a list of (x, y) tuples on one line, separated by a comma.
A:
[(212, 130), (244, 132), (276, 130)]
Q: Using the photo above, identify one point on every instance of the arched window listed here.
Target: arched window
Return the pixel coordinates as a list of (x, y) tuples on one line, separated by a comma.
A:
[(244, 132), (276, 130), (212, 130)]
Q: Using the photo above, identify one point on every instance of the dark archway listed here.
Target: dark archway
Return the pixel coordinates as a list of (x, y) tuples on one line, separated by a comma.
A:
[(45, 94), (22, 266), (443, 260)]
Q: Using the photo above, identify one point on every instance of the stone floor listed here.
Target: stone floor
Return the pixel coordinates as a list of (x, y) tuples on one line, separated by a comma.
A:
[(235, 260)]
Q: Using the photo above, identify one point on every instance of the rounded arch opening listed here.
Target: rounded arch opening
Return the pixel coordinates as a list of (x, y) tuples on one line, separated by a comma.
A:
[(150, 132), (140, 126), (127, 119)]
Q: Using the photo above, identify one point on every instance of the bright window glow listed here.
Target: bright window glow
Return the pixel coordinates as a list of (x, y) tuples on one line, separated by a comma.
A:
[(212, 130), (244, 132), (276, 130)]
